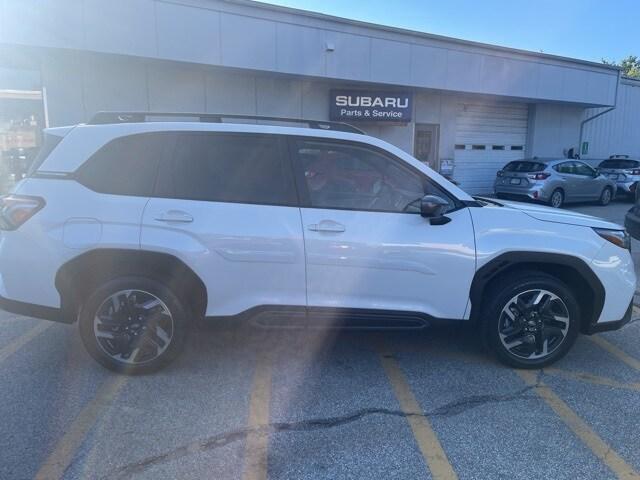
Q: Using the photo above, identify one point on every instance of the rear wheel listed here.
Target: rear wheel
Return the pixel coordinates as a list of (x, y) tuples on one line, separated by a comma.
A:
[(605, 196), (133, 325), (532, 320), (556, 199)]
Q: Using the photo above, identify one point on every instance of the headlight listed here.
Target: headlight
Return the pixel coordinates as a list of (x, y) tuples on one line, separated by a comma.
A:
[(617, 237)]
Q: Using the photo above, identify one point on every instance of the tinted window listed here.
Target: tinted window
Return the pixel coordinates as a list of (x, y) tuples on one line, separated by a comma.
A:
[(524, 167), (566, 167), (619, 164), (358, 178), (125, 166), (583, 169), (237, 168)]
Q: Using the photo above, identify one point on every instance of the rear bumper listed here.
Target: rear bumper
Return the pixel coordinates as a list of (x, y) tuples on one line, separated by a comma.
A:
[(532, 191), (613, 325)]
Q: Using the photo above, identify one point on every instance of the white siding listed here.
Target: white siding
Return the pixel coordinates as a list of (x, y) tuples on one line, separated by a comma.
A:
[(616, 132), (492, 134)]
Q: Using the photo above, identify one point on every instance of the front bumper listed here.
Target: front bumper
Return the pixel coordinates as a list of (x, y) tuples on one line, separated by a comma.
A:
[(613, 325)]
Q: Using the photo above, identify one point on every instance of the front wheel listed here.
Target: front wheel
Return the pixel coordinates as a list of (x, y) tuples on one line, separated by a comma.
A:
[(133, 325), (605, 197), (531, 321)]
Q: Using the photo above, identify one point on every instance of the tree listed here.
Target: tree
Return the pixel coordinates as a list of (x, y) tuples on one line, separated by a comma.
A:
[(630, 66)]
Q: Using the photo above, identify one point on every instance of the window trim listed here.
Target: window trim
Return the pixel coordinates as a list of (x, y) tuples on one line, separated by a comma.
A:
[(301, 184), (166, 161)]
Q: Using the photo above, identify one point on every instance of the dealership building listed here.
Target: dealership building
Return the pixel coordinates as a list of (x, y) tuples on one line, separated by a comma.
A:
[(457, 105)]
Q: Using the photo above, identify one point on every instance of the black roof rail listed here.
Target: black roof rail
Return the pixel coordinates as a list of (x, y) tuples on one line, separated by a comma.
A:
[(102, 118)]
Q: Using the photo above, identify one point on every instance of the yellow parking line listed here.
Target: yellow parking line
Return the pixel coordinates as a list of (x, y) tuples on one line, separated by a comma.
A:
[(425, 436), (256, 446), (22, 340), (592, 379), (61, 457), (616, 352), (590, 438)]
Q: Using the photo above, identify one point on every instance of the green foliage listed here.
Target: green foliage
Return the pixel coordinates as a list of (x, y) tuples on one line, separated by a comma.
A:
[(630, 66)]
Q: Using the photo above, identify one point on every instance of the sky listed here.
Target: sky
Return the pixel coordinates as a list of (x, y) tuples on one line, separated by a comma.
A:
[(585, 29)]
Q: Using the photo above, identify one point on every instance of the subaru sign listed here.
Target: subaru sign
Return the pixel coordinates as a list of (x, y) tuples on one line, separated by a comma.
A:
[(371, 106)]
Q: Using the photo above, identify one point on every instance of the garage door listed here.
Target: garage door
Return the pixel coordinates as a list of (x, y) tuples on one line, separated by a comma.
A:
[(488, 135)]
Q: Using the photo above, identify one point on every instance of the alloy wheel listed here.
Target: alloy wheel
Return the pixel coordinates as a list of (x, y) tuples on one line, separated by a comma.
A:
[(533, 324), (606, 196), (556, 199), (133, 326)]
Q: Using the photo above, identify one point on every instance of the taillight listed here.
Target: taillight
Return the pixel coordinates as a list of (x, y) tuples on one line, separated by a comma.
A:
[(499, 173), (539, 176), (17, 209)]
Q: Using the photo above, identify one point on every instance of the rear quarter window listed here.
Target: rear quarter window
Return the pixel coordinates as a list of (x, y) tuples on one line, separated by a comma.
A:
[(125, 166)]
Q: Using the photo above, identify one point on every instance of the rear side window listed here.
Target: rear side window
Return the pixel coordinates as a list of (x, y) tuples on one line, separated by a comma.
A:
[(237, 168), (125, 166), (623, 164), (524, 167)]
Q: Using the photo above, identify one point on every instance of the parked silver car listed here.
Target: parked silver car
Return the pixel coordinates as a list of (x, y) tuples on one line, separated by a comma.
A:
[(624, 171), (554, 181)]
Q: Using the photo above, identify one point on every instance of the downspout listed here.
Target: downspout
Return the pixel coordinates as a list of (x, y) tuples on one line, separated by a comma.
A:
[(587, 120)]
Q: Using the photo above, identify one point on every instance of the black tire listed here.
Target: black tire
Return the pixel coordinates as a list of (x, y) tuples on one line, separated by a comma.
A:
[(494, 320), (557, 198), (605, 197), (145, 336)]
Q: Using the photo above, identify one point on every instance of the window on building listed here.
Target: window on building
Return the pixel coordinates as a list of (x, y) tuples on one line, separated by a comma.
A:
[(125, 166), (497, 147), (238, 168), (460, 146), (478, 147), (358, 178), (517, 147)]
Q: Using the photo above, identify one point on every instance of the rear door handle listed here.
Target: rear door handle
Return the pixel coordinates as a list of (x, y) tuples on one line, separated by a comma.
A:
[(327, 226), (174, 216)]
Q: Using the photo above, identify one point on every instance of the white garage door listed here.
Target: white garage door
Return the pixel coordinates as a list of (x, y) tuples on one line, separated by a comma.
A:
[(488, 135)]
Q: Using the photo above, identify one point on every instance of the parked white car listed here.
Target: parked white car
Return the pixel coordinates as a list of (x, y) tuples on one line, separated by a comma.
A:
[(137, 228)]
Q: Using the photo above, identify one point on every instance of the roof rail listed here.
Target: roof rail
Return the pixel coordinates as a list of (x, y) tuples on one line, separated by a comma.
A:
[(102, 118)]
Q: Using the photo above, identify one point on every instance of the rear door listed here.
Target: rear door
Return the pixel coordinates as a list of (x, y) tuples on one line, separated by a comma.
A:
[(367, 246), (226, 204)]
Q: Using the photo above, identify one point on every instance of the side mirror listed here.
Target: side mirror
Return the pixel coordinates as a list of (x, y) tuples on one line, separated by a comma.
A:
[(431, 207)]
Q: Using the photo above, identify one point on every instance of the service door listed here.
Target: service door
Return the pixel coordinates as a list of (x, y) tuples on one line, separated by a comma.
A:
[(367, 247), (226, 204)]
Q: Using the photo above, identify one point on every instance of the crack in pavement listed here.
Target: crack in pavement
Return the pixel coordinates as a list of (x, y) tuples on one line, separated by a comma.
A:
[(223, 439)]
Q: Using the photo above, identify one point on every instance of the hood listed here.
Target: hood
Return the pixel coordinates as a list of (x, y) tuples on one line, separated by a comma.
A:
[(556, 215)]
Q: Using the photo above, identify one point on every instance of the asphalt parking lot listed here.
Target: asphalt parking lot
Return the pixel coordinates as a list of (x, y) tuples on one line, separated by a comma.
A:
[(247, 402)]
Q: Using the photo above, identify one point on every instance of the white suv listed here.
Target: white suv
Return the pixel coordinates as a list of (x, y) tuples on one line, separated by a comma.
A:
[(138, 228)]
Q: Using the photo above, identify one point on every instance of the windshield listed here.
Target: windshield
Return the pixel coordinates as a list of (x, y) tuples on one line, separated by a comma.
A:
[(524, 167), (619, 164)]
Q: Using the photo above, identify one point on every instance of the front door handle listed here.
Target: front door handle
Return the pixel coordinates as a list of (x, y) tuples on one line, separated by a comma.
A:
[(174, 216), (327, 226)]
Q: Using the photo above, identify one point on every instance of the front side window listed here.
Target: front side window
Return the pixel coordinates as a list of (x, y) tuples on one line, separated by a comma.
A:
[(346, 176), (221, 167), (583, 169)]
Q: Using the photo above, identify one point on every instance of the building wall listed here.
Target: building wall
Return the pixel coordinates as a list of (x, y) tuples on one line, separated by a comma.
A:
[(255, 36), (553, 129), (616, 132)]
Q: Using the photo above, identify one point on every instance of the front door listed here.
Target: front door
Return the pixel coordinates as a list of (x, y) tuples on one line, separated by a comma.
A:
[(426, 144), (366, 245)]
